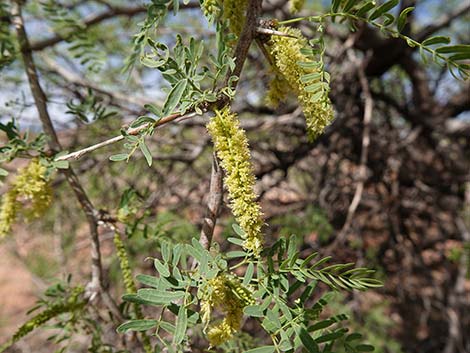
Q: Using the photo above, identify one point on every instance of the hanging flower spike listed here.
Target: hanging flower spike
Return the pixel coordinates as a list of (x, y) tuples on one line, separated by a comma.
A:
[(227, 294), (231, 145), (211, 9), (286, 54), (30, 186), (8, 212), (234, 13), (278, 90), (126, 271)]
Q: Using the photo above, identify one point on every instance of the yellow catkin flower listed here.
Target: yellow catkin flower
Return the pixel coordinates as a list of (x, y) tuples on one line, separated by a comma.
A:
[(231, 145), (234, 13), (30, 194), (278, 90), (129, 284), (211, 8), (296, 5), (227, 294), (124, 264), (286, 55), (8, 211)]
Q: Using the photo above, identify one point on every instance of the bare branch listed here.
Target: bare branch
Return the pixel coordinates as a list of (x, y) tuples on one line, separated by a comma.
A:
[(368, 108), (75, 79)]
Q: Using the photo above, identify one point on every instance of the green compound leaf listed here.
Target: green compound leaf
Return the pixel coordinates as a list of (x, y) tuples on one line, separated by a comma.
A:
[(349, 5), (150, 281), (250, 269), (235, 254), (332, 336), (236, 241), (238, 230), (364, 9), (364, 348)]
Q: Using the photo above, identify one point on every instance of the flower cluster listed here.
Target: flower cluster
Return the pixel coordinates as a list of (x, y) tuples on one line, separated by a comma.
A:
[(278, 90), (8, 211), (296, 5), (124, 264), (227, 294), (286, 54), (231, 11), (231, 145), (234, 13), (30, 193), (211, 8)]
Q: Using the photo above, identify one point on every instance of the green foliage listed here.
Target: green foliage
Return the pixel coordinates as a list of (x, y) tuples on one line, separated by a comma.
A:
[(70, 26), (156, 13), (60, 299), (18, 144), (90, 108), (312, 220), (374, 322), (283, 287), (438, 48), (181, 70)]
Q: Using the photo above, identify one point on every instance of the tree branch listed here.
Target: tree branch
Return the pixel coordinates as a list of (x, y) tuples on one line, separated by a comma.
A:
[(247, 36), (213, 205), (100, 17), (96, 286), (368, 108)]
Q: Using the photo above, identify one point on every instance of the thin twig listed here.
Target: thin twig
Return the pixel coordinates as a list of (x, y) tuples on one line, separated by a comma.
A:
[(132, 131), (368, 108), (273, 32), (75, 79)]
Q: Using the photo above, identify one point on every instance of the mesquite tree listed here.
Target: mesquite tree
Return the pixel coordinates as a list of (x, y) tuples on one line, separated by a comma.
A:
[(203, 293)]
